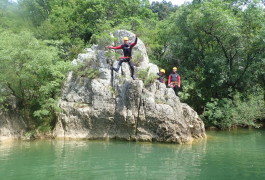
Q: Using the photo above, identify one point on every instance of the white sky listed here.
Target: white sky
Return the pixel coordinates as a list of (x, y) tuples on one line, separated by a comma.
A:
[(175, 2)]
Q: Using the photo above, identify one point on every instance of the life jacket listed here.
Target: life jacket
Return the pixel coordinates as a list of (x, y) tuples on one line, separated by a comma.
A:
[(174, 77), (127, 51)]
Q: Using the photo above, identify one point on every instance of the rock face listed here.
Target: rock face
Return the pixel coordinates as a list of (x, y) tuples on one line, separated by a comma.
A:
[(11, 126), (112, 105)]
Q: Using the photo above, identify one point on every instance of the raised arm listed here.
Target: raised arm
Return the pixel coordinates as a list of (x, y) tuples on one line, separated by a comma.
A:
[(114, 47), (135, 41)]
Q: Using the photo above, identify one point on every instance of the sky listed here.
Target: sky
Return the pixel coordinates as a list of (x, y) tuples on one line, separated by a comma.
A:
[(175, 2)]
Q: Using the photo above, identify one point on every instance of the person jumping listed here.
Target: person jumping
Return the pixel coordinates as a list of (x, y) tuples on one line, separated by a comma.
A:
[(127, 54)]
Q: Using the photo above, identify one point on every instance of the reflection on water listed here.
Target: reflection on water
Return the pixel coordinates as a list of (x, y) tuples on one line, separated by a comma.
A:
[(227, 155), (122, 160)]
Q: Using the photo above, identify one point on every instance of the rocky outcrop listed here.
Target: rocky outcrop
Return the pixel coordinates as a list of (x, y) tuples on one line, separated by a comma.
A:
[(11, 126), (112, 105)]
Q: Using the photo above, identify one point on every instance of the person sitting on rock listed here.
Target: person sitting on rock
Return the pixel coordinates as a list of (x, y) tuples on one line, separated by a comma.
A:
[(174, 80), (161, 75), (127, 54)]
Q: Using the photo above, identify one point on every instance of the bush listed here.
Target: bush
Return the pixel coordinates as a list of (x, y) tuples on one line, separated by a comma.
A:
[(83, 70), (226, 113), (148, 78), (93, 73), (90, 73)]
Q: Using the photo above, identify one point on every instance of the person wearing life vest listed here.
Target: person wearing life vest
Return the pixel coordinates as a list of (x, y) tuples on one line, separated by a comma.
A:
[(174, 80), (161, 75), (127, 54)]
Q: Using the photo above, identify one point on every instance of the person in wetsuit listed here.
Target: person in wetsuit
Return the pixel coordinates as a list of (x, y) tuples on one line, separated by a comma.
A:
[(127, 54), (161, 75), (174, 80)]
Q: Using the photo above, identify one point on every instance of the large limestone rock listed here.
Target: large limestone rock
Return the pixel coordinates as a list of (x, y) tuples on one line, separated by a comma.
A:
[(115, 106), (11, 126)]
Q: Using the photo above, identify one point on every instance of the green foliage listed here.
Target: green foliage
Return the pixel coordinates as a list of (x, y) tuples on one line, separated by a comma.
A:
[(11, 17), (218, 44), (143, 73), (30, 134), (113, 55), (227, 113), (76, 22), (187, 90), (148, 78), (32, 73), (37, 10), (90, 73), (84, 69), (102, 40), (163, 9)]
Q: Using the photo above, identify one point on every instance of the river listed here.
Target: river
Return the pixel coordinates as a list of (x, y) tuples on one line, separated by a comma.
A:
[(238, 154)]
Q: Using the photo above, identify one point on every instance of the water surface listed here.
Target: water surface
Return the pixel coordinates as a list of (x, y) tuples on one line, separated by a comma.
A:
[(224, 155)]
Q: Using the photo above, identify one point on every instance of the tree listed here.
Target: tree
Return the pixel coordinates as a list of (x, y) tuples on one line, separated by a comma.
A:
[(11, 17), (32, 73), (219, 46), (163, 9), (74, 22)]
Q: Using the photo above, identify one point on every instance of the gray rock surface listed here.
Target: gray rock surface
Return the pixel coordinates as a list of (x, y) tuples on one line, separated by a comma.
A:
[(112, 105), (11, 126)]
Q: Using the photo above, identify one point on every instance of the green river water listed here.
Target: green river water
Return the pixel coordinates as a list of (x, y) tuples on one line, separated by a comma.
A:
[(238, 154)]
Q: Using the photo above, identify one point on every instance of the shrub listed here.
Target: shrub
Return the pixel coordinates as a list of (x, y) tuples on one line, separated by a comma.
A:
[(90, 73), (148, 78), (227, 113)]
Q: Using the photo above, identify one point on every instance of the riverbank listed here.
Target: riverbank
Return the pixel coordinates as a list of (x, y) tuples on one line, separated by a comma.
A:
[(32, 136)]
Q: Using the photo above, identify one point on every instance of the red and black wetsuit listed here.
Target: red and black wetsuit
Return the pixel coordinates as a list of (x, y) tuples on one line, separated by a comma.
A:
[(174, 79), (127, 55), (127, 48)]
